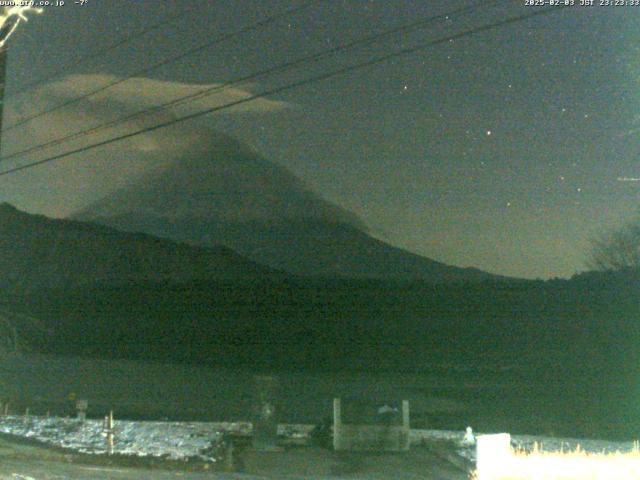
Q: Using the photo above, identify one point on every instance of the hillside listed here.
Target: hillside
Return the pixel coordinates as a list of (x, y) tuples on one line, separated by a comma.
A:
[(567, 347), (346, 323), (36, 252)]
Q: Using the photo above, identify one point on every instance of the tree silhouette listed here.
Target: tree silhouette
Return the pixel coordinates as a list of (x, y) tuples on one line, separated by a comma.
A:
[(617, 250)]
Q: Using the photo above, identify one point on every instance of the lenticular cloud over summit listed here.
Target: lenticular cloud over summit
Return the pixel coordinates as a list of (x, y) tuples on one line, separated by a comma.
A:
[(82, 178)]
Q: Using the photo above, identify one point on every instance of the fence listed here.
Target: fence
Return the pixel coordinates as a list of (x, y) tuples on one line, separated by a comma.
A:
[(361, 436)]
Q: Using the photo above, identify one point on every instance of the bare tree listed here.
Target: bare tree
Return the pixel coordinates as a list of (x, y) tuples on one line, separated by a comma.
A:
[(617, 250)]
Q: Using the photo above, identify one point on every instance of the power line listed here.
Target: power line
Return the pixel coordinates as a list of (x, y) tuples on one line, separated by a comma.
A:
[(281, 67), (300, 83), (166, 61), (103, 51)]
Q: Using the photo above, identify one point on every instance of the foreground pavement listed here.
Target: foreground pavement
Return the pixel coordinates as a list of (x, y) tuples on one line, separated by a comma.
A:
[(30, 461), (14, 469)]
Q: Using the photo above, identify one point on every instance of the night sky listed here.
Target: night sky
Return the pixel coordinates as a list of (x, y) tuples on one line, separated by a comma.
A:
[(505, 150)]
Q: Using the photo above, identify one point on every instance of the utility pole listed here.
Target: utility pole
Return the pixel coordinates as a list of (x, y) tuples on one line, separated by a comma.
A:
[(3, 72), (9, 21)]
